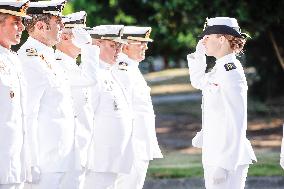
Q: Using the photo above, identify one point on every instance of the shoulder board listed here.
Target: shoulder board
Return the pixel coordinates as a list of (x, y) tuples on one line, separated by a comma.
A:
[(31, 52), (122, 66), (230, 66)]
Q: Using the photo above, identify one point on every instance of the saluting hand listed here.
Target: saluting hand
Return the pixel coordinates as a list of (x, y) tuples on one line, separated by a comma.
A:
[(220, 175), (200, 48), (81, 37), (35, 171)]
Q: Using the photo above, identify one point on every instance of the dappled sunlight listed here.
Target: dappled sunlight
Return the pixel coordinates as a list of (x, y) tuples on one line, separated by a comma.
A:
[(163, 130), (262, 143), (258, 124), (166, 74), (171, 89), (191, 150)]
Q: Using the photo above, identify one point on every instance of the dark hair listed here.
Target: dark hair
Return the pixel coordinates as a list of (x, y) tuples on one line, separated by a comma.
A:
[(30, 23)]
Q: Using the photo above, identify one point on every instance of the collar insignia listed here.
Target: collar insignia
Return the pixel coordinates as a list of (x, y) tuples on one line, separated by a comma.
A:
[(122, 66), (31, 52), (230, 66)]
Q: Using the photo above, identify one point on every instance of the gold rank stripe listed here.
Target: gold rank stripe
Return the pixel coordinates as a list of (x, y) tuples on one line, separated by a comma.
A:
[(15, 13)]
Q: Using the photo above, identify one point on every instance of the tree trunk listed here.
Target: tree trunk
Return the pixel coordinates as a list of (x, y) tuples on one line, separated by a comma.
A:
[(166, 62), (276, 48)]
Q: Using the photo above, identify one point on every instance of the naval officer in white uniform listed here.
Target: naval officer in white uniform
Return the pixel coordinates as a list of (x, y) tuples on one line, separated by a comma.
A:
[(226, 152), (12, 97), (111, 148), (282, 151), (75, 41), (49, 114), (144, 138)]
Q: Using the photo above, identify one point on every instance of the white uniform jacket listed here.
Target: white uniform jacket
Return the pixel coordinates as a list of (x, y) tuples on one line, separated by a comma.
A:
[(282, 146), (111, 147), (145, 142), (224, 126), (12, 167), (49, 114), (80, 89)]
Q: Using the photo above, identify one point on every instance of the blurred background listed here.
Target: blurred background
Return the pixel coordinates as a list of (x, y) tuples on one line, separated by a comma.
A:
[(175, 27)]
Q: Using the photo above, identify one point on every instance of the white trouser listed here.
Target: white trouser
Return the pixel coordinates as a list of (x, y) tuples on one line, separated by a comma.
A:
[(12, 186), (68, 180), (74, 180), (100, 180), (135, 179), (235, 179)]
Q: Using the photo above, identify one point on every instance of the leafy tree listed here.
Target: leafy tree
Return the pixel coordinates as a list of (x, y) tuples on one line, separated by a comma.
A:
[(177, 23)]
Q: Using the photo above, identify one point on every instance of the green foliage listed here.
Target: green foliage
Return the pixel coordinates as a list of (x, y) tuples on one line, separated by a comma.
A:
[(68, 9), (176, 25)]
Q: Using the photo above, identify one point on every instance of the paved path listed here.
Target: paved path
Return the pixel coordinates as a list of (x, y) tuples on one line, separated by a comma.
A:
[(176, 98), (197, 183)]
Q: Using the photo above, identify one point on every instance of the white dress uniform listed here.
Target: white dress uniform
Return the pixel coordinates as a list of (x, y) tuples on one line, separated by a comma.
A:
[(111, 148), (145, 143), (224, 142), (12, 96), (80, 89), (282, 151), (49, 114)]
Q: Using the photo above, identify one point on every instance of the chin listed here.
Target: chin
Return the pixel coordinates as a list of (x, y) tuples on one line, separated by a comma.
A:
[(114, 60), (15, 41), (208, 53)]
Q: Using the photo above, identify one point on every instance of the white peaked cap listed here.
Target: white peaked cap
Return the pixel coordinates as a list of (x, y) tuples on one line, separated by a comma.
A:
[(110, 32), (231, 22), (77, 19), (137, 33)]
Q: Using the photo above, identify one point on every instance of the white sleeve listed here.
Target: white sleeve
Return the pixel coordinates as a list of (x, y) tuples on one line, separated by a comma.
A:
[(234, 94), (197, 67), (95, 96), (36, 84), (90, 60), (282, 146)]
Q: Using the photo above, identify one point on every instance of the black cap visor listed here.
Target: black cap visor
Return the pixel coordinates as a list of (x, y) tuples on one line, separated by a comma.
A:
[(220, 29)]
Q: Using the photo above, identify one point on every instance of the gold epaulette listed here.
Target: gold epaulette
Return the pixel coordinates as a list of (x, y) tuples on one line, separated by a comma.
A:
[(31, 52)]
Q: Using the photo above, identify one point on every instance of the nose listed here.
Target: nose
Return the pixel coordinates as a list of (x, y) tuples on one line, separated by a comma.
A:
[(203, 41), (118, 48), (21, 26), (61, 25), (144, 46)]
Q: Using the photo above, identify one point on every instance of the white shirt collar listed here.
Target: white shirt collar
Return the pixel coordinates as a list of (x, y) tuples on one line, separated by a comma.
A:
[(44, 49), (105, 65), (5, 50), (226, 59), (124, 58)]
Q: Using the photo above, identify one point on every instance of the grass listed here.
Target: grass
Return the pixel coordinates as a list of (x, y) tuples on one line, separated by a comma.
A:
[(255, 109), (178, 165)]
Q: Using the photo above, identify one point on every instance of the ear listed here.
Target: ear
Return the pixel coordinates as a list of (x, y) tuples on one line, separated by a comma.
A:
[(96, 42), (125, 48), (65, 37), (222, 39), (40, 25)]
